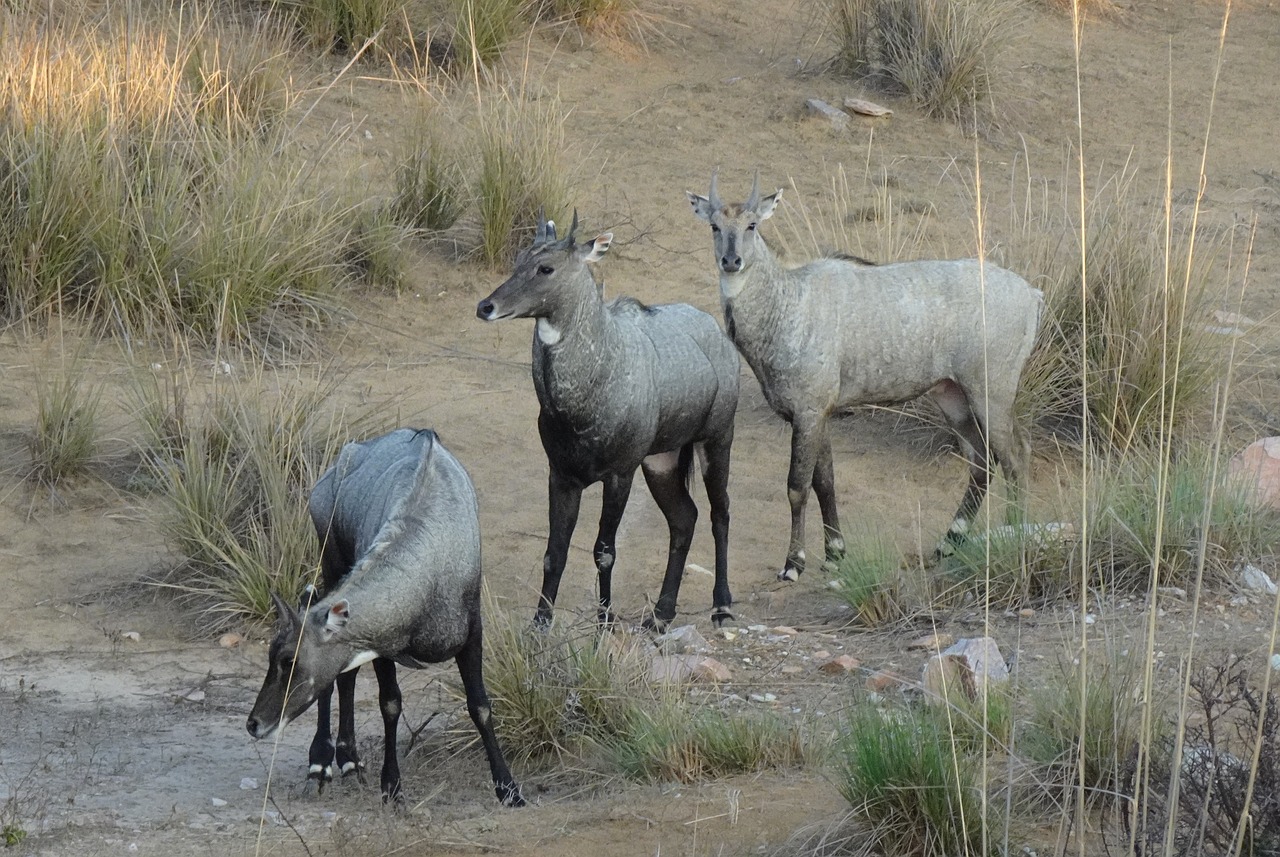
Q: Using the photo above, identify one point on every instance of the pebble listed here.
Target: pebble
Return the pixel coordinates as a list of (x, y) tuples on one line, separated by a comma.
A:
[(230, 641), (248, 783), (217, 801)]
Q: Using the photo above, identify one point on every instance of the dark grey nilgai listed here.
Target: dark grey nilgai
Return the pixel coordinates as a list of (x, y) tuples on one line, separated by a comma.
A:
[(832, 334), (622, 385), (400, 538)]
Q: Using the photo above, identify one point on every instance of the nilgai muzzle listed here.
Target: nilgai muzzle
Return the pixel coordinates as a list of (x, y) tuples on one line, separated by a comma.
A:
[(832, 334), (400, 538), (622, 385)]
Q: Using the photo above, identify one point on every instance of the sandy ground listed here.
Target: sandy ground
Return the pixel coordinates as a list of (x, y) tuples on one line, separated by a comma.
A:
[(109, 745)]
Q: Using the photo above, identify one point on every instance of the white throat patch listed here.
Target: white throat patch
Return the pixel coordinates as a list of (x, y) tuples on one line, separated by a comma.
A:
[(731, 285), (547, 333), (359, 659)]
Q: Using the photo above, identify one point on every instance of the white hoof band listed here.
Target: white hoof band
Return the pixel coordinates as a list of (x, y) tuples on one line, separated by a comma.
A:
[(789, 574)]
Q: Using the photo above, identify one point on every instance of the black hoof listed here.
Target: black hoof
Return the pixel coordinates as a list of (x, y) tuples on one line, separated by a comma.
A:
[(509, 794), (655, 624), (720, 615)]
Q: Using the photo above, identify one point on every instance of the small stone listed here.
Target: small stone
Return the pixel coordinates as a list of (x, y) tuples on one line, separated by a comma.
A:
[(248, 783), (866, 108), (682, 640), (792, 669), (1026, 613), (963, 668), (196, 695), (1275, 662), (230, 641), (757, 629), (729, 634), (785, 630), (1089, 618), (709, 669), (882, 680), (217, 801), (1172, 592), (840, 665), (1256, 579), (821, 655), (837, 117), (131, 636)]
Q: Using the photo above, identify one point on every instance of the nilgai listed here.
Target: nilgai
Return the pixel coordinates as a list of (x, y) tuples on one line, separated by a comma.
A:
[(833, 333), (400, 557), (622, 385)]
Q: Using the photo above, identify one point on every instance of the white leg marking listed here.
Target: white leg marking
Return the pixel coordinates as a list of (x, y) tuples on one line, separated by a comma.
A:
[(959, 526), (547, 333)]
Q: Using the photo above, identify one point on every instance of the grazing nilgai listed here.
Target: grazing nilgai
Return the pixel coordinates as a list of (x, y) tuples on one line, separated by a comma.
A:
[(832, 334), (400, 556), (622, 385)]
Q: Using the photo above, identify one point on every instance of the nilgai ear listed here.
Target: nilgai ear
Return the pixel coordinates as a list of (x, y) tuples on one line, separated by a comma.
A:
[(702, 208), (764, 209), (597, 247), (336, 617)]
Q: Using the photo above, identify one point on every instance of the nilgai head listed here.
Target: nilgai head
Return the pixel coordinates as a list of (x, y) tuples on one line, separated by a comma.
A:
[(307, 653), (733, 227), (550, 277)]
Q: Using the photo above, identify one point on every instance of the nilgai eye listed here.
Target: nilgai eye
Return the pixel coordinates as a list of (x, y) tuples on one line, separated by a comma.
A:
[(751, 227), (546, 270), (715, 230)]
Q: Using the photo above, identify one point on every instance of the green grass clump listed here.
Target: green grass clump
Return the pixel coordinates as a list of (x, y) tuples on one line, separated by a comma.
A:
[(583, 699), (939, 54), (1084, 733), (168, 205), (1126, 340), (430, 183), (520, 173), (869, 577), (483, 29), (233, 485), (915, 788), (64, 440)]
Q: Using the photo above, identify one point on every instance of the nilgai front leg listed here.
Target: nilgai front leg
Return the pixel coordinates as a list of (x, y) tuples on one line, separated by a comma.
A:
[(564, 498)]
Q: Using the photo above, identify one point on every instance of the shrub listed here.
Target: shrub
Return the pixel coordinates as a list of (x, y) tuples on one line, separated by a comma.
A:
[(939, 54), (919, 792), (868, 577), (1226, 788)]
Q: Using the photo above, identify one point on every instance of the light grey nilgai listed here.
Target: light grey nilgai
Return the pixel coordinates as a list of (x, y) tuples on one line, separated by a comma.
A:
[(622, 385), (400, 539), (832, 334)]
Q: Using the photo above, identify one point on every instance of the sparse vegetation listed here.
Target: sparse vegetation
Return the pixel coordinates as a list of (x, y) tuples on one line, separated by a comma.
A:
[(430, 183), (940, 55), (868, 577), (483, 29)]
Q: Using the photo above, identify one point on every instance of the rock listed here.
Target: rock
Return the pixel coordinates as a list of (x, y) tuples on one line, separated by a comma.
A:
[(882, 680), (230, 641), (933, 642), (131, 636), (248, 783), (821, 655), (196, 695), (1172, 592), (217, 801), (757, 629), (865, 108), (838, 118), (694, 567), (1275, 662), (840, 665), (784, 631), (791, 669), (681, 640), (709, 669), (1026, 613), (964, 668), (675, 669), (1256, 579), (1256, 469)]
